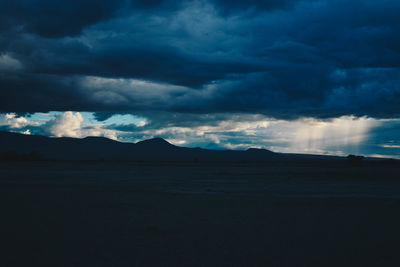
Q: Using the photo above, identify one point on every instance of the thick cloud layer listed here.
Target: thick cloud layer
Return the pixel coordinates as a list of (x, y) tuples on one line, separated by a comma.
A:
[(284, 59)]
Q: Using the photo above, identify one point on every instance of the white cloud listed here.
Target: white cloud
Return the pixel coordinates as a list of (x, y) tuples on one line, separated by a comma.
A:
[(238, 146), (176, 142), (98, 130), (27, 132), (18, 122), (66, 124), (70, 124), (14, 122)]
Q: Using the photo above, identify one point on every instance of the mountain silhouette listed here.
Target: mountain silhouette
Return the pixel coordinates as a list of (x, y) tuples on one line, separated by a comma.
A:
[(156, 143), (99, 148)]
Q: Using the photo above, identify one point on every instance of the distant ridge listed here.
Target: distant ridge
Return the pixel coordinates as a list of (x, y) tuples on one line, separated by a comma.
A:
[(100, 148), (155, 142)]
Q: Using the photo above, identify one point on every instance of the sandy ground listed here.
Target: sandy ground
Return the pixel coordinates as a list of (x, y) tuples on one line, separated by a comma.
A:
[(125, 214)]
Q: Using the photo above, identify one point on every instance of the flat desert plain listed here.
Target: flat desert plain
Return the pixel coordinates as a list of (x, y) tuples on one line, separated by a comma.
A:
[(199, 214)]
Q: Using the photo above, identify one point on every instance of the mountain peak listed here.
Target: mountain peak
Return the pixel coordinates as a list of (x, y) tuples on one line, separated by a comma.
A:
[(157, 141), (258, 150), (98, 138)]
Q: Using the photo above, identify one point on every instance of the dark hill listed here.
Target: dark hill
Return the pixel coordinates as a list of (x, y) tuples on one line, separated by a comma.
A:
[(20, 146), (154, 143), (99, 148)]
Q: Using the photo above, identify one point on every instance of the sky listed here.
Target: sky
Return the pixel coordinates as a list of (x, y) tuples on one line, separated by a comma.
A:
[(305, 76)]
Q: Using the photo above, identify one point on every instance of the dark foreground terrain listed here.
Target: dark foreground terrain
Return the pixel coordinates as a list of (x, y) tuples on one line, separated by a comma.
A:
[(198, 214)]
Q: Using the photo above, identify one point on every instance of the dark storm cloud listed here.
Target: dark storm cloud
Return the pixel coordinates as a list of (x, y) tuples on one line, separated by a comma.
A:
[(27, 92), (58, 18), (159, 120), (55, 18), (284, 59), (228, 7)]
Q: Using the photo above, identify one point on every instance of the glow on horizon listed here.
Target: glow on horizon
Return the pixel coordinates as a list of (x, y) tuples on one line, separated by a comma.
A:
[(338, 136)]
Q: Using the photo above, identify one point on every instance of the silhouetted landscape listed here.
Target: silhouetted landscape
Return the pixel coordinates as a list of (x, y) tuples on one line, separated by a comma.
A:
[(200, 133), (98, 202), (100, 148), (15, 146)]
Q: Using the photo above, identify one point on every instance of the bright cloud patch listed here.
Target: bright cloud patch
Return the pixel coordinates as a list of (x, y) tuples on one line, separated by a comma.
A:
[(71, 124), (317, 136), (126, 119), (336, 136), (8, 63), (339, 136), (66, 124), (13, 121)]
